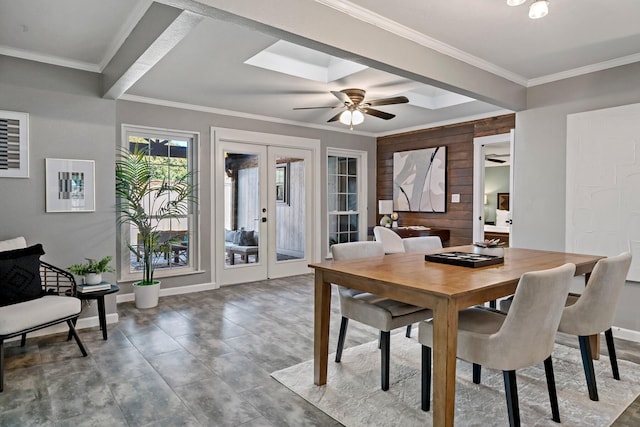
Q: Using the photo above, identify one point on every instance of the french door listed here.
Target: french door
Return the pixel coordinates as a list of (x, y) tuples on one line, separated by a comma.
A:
[(264, 211)]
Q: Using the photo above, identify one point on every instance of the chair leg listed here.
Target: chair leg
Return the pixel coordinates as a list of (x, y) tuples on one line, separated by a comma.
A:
[(511, 393), (384, 358), (379, 340), (612, 353), (587, 363), (477, 372), (343, 332), (1, 365), (408, 335), (72, 329), (426, 378), (23, 340), (551, 386)]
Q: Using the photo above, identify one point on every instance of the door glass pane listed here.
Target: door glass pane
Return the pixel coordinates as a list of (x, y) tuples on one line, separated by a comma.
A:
[(290, 208), (241, 208)]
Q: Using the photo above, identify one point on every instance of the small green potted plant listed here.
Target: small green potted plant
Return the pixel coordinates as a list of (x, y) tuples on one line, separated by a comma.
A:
[(92, 269)]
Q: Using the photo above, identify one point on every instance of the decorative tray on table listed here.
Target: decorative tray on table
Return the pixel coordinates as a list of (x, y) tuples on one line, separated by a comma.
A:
[(464, 259)]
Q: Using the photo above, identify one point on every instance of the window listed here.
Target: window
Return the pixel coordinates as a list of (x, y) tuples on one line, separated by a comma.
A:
[(346, 196), (172, 155)]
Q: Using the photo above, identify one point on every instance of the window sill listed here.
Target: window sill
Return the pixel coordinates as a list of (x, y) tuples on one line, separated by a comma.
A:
[(161, 275)]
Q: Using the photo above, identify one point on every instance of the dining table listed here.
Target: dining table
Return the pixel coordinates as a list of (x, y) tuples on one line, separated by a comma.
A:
[(444, 288)]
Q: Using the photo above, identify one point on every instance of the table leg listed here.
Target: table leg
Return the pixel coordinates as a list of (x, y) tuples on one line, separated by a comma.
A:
[(102, 317), (322, 313), (445, 347)]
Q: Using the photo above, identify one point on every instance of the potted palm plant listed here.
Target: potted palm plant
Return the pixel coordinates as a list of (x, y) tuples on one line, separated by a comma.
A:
[(92, 269), (136, 190)]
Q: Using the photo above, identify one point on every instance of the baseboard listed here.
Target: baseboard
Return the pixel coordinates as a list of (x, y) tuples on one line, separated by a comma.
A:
[(83, 323), (172, 291), (626, 334)]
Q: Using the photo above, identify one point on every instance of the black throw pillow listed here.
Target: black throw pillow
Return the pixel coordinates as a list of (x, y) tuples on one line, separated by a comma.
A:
[(246, 238), (20, 275)]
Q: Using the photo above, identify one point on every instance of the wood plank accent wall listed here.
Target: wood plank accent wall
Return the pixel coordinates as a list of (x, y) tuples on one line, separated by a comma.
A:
[(458, 138)]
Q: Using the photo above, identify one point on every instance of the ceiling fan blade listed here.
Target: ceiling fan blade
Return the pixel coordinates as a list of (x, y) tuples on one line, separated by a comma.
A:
[(378, 113), (343, 97), (335, 118), (495, 160), (388, 101), (313, 108)]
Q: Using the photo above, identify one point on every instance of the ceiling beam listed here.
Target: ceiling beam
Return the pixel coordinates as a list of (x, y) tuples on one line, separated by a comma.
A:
[(157, 32), (318, 26)]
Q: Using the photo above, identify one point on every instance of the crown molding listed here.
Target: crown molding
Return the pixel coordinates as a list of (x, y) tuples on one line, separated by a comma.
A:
[(212, 110), (48, 59), (624, 60)]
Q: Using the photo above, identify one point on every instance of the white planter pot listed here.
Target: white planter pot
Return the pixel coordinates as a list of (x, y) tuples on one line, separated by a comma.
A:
[(146, 296), (92, 278)]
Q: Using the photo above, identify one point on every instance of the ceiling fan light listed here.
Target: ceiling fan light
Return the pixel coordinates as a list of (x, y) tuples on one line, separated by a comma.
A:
[(539, 9), (345, 118), (515, 2), (357, 117)]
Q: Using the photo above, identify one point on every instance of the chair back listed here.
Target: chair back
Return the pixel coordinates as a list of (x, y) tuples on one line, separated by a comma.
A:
[(528, 332), (391, 241), (355, 250), (594, 311), (421, 244)]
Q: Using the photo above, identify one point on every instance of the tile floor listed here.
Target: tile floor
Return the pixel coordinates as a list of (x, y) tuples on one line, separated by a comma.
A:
[(199, 359)]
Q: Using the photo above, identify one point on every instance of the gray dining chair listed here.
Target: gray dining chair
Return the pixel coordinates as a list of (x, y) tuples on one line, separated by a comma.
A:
[(593, 312), (391, 241), (378, 312), (523, 337), (421, 244)]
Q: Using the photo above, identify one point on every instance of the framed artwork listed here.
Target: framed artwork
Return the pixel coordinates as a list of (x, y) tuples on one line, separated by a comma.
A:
[(14, 144), (282, 183), (503, 201), (70, 185), (419, 180)]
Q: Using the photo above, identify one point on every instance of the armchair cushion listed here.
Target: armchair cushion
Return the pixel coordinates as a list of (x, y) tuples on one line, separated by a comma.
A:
[(20, 275), (17, 243), (29, 314)]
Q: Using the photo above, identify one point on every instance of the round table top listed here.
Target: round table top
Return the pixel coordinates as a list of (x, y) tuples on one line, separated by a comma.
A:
[(89, 295)]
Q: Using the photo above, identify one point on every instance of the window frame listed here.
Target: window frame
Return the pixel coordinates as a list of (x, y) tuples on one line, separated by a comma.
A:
[(361, 173), (193, 218)]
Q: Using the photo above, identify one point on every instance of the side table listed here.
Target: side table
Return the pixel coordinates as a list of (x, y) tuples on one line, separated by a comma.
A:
[(99, 296)]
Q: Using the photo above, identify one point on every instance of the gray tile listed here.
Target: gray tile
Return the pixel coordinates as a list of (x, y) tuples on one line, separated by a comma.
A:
[(179, 368), (213, 403), (78, 393), (109, 415), (238, 371), (147, 399)]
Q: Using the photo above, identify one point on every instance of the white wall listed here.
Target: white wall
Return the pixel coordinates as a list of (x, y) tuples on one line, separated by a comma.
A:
[(540, 161)]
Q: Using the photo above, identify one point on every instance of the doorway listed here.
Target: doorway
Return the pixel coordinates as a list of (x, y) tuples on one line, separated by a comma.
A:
[(493, 187), (265, 218)]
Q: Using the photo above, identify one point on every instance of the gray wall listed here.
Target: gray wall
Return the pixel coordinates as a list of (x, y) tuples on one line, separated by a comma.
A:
[(540, 161), (68, 120), (129, 112)]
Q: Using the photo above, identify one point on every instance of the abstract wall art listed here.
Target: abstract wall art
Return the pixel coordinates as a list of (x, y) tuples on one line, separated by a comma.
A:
[(419, 180), (14, 144), (70, 185)]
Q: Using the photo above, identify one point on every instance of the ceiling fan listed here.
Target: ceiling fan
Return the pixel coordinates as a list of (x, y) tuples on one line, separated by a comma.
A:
[(492, 158), (356, 106)]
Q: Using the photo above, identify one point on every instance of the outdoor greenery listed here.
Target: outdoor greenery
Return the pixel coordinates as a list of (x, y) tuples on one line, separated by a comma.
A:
[(145, 198), (92, 266)]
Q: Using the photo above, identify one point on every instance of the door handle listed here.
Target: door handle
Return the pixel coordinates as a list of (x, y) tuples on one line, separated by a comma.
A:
[(264, 219)]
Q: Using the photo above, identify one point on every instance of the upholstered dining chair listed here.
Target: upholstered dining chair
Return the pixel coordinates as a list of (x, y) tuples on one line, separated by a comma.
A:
[(523, 337), (378, 312), (592, 313), (391, 241), (421, 244)]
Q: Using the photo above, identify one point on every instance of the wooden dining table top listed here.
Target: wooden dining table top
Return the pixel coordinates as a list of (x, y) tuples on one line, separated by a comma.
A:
[(410, 271)]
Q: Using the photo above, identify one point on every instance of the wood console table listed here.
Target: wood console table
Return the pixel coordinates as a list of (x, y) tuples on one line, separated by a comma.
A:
[(418, 232)]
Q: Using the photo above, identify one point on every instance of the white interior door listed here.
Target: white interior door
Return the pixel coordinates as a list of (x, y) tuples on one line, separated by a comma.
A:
[(482, 146), (265, 221)]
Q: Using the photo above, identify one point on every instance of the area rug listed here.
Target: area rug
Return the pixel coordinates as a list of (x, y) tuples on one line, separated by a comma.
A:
[(352, 395)]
